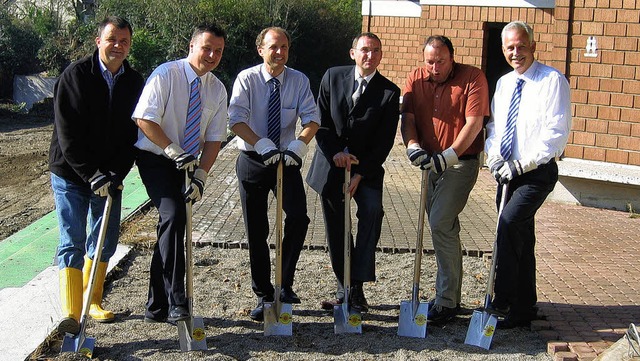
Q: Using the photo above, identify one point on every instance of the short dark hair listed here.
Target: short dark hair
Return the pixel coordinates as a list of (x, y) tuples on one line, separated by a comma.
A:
[(263, 33), (365, 35), (116, 21), (439, 39), (209, 28)]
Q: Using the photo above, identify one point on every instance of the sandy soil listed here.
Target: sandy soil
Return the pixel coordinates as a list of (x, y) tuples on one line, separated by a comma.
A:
[(223, 293), (25, 191)]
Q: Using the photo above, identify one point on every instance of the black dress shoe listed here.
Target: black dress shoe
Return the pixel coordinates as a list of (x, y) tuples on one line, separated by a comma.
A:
[(509, 323), (357, 301), (441, 314), (178, 313), (288, 296), (258, 313), (330, 304), (154, 319), (500, 310)]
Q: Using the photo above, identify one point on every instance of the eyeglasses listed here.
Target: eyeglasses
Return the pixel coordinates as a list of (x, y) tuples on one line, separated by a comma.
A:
[(374, 51)]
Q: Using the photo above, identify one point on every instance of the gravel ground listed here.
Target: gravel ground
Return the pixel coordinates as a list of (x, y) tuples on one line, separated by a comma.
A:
[(223, 293), (223, 297)]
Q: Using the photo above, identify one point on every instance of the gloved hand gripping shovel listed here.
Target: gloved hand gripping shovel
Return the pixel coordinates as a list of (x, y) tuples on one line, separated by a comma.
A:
[(277, 315), (483, 324), (80, 343), (190, 331), (345, 319), (413, 313)]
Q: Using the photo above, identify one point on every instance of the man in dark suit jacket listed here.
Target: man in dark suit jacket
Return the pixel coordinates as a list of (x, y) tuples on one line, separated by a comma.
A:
[(353, 129)]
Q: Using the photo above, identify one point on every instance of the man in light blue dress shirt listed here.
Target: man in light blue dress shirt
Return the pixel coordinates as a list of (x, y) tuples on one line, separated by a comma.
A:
[(256, 164)]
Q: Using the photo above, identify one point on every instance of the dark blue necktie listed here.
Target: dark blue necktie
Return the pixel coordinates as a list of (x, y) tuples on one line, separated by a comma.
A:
[(273, 122)]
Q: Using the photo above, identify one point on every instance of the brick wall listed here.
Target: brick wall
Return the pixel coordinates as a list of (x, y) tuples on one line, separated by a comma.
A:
[(605, 89)]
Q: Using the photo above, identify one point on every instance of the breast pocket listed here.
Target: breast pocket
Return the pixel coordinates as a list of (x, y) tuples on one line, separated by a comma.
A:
[(205, 119), (288, 116)]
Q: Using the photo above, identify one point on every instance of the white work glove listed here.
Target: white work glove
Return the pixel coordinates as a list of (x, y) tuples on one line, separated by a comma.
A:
[(416, 154), (184, 161), (100, 183), (196, 189), (494, 163), (441, 161), (514, 168), (269, 152), (296, 150)]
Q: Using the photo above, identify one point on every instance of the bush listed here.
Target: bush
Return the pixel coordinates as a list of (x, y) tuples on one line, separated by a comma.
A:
[(20, 45)]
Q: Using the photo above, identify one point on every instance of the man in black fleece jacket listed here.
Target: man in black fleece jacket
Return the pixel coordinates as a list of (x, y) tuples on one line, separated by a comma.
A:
[(91, 153)]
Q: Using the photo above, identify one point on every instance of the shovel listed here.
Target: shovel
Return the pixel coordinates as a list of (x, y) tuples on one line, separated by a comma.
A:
[(483, 324), (277, 315), (345, 319), (80, 342), (413, 313), (190, 331)]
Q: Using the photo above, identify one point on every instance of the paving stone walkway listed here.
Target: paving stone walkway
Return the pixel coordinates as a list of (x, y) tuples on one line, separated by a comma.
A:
[(588, 274)]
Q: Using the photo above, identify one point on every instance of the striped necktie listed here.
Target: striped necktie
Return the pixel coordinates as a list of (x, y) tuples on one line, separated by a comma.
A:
[(506, 144), (191, 143), (273, 122)]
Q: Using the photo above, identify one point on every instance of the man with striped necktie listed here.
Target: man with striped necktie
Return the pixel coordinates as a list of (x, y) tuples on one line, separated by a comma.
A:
[(181, 117), (523, 140), (266, 103)]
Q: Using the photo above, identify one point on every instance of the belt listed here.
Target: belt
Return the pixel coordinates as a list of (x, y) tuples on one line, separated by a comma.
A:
[(252, 154), (468, 156)]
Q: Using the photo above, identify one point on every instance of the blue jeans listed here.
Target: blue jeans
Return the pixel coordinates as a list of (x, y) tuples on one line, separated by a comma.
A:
[(77, 205)]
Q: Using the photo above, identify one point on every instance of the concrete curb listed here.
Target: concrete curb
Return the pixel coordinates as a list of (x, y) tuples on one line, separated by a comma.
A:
[(34, 311)]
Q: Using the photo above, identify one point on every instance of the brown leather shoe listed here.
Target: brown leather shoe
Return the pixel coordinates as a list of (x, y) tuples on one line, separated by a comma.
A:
[(330, 304)]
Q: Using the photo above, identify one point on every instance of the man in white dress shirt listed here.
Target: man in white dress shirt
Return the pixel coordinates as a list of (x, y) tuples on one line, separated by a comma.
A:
[(524, 158), (169, 147)]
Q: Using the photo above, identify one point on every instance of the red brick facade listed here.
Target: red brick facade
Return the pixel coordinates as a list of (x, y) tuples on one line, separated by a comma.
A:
[(605, 89)]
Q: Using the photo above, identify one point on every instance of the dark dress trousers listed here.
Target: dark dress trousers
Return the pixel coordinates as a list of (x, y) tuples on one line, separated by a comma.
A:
[(368, 130)]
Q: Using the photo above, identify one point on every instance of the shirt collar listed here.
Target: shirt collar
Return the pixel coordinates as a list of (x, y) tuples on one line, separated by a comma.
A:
[(266, 76), (189, 72), (367, 78), (529, 74), (103, 68)]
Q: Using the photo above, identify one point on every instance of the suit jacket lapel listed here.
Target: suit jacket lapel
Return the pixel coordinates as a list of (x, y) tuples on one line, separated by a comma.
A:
[(348, 84)]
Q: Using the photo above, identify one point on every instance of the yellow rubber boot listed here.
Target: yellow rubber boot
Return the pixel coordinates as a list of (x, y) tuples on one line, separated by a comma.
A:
[(95, 310), (70, 300)]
